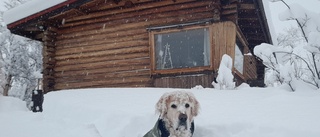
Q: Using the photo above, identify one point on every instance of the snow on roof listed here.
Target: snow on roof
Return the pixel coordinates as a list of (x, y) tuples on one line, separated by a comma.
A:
[(27, 9)]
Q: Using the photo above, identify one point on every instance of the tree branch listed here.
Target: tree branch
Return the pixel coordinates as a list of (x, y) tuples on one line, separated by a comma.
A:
[(300, 25), (299, 58)]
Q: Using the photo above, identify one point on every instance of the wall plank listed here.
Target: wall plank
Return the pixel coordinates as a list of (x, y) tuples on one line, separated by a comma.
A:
[(224, 36)]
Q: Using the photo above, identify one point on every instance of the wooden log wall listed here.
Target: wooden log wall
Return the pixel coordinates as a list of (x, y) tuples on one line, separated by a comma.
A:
[(49, 61), (110, 47), (229, 11), (204, 80), (250, 71)]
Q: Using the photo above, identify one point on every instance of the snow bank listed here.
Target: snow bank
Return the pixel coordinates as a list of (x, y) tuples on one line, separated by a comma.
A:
[(27, 9), (10, 104), (130, 112)]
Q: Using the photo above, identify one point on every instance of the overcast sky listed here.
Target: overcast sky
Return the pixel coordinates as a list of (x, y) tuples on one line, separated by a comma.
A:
[(275, 8), (278, 7)]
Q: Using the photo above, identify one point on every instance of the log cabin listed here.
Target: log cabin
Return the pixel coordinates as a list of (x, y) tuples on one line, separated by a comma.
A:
[(144, 43)]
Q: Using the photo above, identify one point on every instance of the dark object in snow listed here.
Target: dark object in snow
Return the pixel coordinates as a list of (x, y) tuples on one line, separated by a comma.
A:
[(256, 83), (37, 99), (160, 130)]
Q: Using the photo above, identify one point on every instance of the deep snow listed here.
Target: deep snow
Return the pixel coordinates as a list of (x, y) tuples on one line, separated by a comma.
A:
[(130, 112)]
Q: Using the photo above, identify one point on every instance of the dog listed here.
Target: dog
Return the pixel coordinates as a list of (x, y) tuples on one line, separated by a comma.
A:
[(177, 110)]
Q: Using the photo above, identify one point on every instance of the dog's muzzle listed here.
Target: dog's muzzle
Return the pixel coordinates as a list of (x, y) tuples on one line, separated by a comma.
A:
[(183, 121)]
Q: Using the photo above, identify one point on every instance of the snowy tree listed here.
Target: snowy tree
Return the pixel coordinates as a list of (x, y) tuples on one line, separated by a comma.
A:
[(225, 77), (20, 62), (13, 3), (297, 55)]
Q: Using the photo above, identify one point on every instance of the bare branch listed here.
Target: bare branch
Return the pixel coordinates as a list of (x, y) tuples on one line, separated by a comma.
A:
[(299, 24), (309, 67)]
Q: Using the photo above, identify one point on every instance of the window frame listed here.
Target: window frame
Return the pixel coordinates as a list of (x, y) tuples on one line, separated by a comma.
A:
[(155, 71)]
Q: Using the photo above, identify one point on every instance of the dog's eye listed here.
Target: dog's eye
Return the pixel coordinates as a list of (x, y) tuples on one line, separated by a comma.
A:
[(173, 106), (187, 105)]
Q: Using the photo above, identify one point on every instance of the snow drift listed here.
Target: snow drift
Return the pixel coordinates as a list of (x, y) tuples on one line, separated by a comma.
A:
[(130, 112)]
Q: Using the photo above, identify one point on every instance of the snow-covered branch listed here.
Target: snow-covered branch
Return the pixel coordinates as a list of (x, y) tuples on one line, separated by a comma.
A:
[(293, 58)]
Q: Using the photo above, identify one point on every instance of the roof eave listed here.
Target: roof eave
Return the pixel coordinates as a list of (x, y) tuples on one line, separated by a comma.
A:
[(264, 21), (17, 26)]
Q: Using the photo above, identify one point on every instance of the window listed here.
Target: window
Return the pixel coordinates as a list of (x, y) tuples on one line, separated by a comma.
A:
[(239, 57), (178, 49)]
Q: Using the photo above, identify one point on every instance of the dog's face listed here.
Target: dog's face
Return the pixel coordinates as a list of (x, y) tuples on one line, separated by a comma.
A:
[(178, 109)]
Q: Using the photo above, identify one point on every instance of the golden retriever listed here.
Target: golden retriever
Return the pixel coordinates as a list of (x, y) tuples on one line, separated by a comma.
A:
[(177, 110)]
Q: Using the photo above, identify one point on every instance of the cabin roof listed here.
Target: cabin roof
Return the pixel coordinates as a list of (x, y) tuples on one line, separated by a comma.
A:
[(16, 14), (251, 17)]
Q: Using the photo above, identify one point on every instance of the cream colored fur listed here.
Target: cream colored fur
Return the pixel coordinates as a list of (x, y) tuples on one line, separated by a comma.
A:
[(173, 104)]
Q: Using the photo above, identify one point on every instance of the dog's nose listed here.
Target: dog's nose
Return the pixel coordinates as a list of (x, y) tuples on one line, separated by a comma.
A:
[(183, 117)]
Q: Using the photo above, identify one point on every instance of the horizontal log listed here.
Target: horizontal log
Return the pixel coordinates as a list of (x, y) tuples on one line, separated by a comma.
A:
[(106, 64), (50, 33), (230, 7), (185, 70), (47, 38), (102, 58), (120, 5), (112, 75), (50, 62), (103, 82), (48, 77), (48, 72), (103, 39), (100, 70), (120, 85), (46, 54), (51, 50), (102, 47), (137, 49), (48, 59), (67, 14), (48, 44), (52, 30), (140, 7), (247, 6), (93, 4), (228, 12)]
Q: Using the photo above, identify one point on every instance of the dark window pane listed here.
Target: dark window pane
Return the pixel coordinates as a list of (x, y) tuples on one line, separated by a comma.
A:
[(183, 49)]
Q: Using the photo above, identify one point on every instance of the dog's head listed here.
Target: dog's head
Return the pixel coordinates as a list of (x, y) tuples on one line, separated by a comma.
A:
[(178, 109)]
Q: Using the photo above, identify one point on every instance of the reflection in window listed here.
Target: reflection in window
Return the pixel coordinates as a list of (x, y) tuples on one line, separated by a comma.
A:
[(238, 61), (183, 49)]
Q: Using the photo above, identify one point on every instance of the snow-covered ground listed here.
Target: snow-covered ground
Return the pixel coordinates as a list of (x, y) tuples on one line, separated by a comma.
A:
[(130, 112)]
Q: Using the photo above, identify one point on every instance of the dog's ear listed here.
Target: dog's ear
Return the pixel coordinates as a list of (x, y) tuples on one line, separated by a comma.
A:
[(196, 105), (161, 106)]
